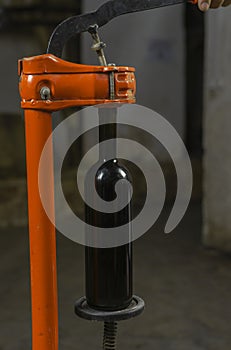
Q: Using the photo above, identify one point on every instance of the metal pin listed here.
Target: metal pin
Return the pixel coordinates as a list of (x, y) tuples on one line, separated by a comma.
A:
[(98, 44)]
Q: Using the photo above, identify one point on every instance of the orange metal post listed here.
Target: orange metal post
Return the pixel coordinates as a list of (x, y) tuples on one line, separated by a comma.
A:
[(42, 236)]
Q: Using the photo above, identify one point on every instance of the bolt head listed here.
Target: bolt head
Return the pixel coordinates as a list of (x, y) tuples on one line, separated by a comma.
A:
[(45, 93)]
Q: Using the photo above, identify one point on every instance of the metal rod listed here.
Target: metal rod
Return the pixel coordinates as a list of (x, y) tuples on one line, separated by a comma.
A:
[(107, 130), (98, 45), (107, 116), (42, 236)]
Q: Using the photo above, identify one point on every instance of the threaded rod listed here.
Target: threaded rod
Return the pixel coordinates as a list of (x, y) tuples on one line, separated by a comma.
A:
[(109, 339)]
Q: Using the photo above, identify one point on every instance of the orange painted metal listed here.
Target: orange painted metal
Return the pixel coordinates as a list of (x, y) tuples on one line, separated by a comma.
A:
[(42, 236), (70, 85)]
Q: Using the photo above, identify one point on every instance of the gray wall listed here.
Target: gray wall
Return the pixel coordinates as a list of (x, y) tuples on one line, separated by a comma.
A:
[(13, 47), (217, 131)]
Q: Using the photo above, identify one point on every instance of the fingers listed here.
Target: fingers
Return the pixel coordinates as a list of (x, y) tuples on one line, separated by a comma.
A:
[(216, 3), (204, 5), (226, 3)]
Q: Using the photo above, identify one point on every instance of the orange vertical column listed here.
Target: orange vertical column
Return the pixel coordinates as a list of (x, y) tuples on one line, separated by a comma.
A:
[(42, 236)]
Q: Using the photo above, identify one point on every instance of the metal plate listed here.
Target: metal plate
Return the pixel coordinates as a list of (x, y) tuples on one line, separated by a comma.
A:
[(83, 310)]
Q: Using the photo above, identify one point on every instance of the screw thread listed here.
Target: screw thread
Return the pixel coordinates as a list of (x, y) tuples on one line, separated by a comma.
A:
[(109, 339)]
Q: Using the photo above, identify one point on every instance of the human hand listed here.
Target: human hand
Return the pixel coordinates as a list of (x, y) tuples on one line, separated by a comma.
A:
[(204, 5)]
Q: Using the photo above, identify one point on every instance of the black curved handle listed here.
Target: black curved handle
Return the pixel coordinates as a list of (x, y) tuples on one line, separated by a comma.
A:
[(111, 9)]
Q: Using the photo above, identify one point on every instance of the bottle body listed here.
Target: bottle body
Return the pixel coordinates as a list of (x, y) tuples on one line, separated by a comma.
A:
[(108, 271)]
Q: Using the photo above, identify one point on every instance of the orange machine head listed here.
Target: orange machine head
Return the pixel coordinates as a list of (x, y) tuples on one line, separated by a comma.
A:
[(50, 83)]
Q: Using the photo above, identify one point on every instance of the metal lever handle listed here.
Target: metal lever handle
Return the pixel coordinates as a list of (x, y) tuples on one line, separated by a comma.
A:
[(111, 9)]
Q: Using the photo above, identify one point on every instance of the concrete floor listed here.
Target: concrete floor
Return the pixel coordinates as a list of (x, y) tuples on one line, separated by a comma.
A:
[(186, 289)]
